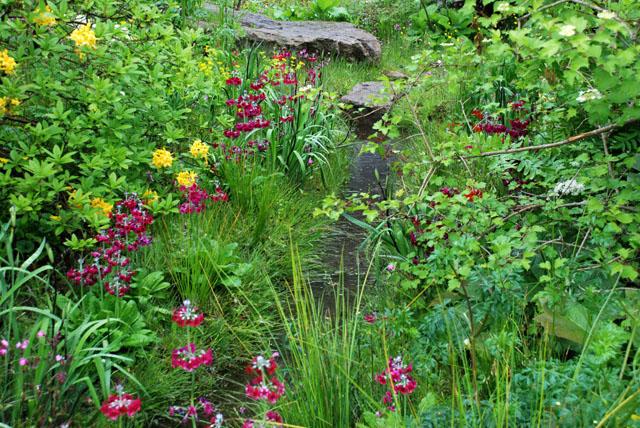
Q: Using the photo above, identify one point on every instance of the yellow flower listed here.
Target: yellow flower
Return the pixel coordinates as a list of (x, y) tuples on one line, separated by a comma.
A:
[(206, 67), (149, 197), (4, 161), (73, 199), (84, 36), (45, 20), (186, 178), (15, 102), (55, 217), (162, 158), (102, 204), (7, 63), (199, 149)]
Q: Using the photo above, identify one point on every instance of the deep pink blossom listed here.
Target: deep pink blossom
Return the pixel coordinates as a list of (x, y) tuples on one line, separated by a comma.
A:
[(189, 358), (121, 404)]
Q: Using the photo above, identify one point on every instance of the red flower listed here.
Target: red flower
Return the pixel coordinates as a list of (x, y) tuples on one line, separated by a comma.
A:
[(189, 358), (122, 404), (473, 193), (187, 315)]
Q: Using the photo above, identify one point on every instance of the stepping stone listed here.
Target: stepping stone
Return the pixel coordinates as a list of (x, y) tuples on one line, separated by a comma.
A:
[(339, 38), (369, 103), (396, 75)]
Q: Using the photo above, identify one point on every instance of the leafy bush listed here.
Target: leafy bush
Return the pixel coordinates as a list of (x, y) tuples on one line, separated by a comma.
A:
[(511, 231)]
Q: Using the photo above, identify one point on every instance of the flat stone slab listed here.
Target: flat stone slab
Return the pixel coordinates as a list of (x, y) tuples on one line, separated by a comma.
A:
[(370, 96), (396, 75), (369, 104), (339, 38)]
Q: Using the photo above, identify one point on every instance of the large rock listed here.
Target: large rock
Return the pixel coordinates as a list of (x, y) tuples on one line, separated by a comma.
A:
[(369, 103), (339, 38)]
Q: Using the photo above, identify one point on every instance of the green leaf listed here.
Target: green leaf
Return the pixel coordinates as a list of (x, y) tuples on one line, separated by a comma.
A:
[(594, 205), (624, 218), (561, 326)]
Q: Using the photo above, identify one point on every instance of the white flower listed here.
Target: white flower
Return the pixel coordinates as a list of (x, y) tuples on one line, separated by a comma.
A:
[(567, 30), (606, 14), (503, 7), (574, 164), (589, 95), (569, 187)]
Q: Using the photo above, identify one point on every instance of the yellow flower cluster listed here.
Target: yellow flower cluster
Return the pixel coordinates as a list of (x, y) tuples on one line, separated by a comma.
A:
[(199, 149), (7, 103), (84, 36), (206, 67), (149, 197), (102, 204), (186, 178), (162, 158), (45, 20), (7, 63), (73, 199)]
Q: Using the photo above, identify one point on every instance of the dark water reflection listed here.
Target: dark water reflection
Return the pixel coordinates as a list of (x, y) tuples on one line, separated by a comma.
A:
[(341, 258)]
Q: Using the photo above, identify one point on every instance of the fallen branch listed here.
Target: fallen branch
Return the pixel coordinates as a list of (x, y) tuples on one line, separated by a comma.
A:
[(558, 144), (540, 147)]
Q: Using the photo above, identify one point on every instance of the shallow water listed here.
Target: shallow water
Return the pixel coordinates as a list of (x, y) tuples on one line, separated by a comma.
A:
[(341, 258)]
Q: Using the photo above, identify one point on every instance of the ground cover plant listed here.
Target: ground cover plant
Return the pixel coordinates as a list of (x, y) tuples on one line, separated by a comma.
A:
[(511, 232), (158, 185)]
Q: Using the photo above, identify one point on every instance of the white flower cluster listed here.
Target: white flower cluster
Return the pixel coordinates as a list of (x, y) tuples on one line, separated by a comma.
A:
[(606, 14), (503, 7), (567, 30), (569, 187), (589, 95)]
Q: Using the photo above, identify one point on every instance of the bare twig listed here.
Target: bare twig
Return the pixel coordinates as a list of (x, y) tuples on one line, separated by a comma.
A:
[(632, 35), (528, 15), (19, 119), (417, 121), (586, 235), (530, 207), (466, 165), (606, 152), (558, 144)]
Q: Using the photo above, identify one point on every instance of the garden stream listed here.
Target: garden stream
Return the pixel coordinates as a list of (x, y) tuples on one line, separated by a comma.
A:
[(342, 259)]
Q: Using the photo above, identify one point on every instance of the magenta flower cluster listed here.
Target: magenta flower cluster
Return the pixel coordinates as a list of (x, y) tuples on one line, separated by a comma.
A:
[(397, 375), (215, 421), (190, 358), (263, 388), (120, 404), (112, 260), (196, 198)]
